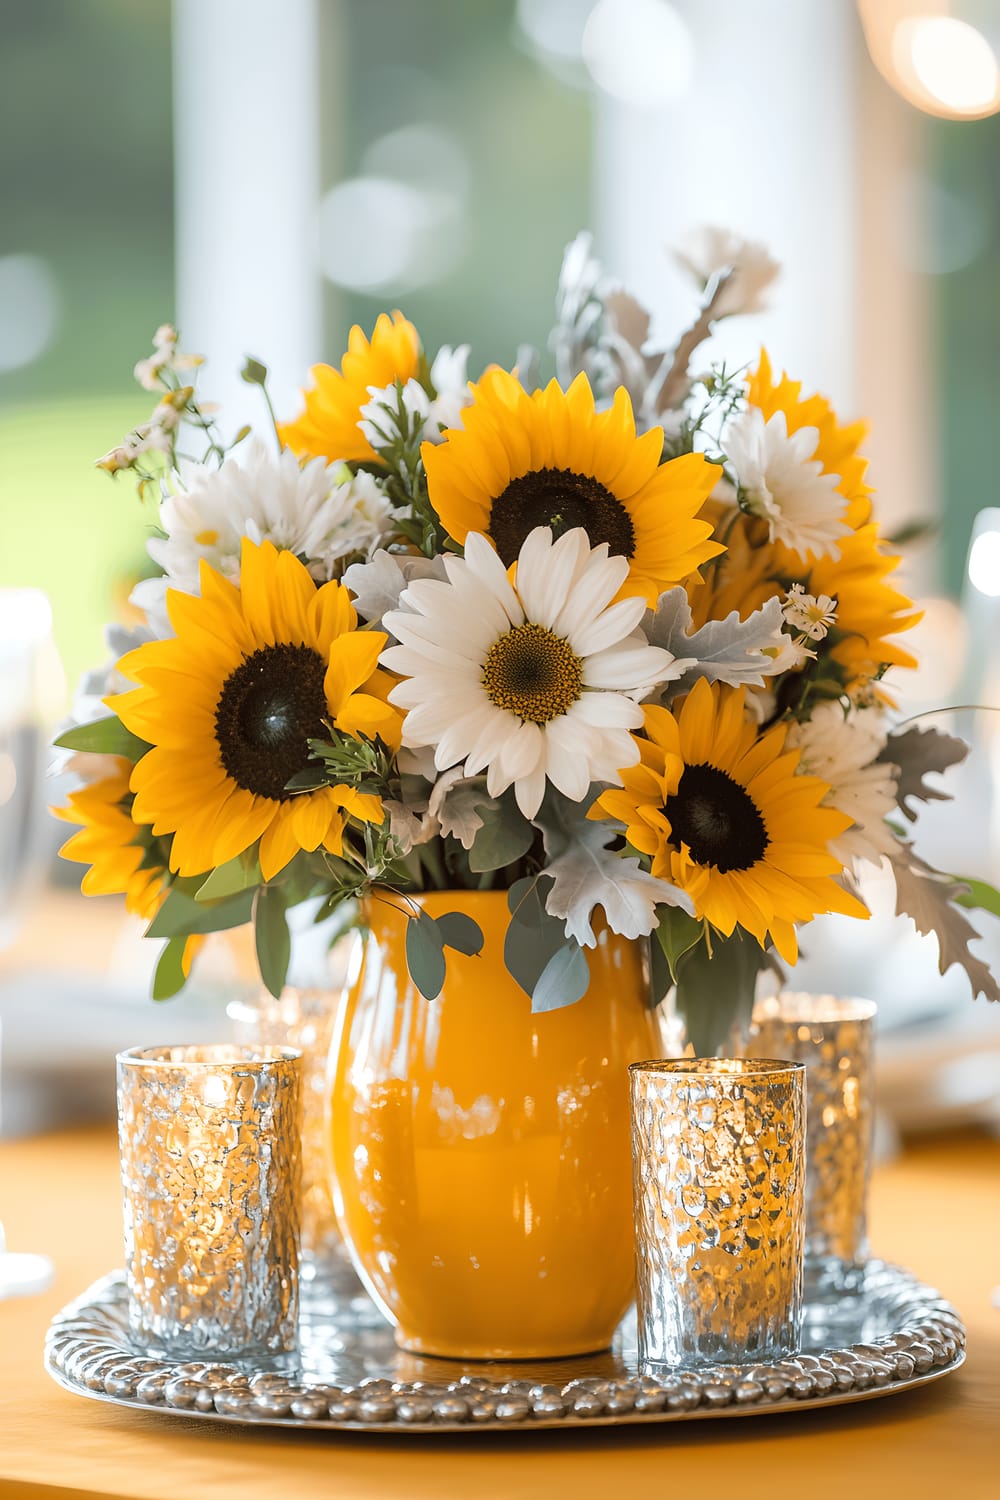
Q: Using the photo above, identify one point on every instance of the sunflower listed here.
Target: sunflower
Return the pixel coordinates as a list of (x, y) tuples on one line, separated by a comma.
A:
[(550, 459), (328, 427), (230, 702), (122, 856), (722, 815)]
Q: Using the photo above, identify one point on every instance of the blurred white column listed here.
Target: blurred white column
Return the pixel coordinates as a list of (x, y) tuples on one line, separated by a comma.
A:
[(759, 136), (246, 130)]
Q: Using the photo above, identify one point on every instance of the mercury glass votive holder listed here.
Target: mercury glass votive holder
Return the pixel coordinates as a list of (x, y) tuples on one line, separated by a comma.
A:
[(303, 1017), (210, 1141), (718, 1151), (835, 1039)]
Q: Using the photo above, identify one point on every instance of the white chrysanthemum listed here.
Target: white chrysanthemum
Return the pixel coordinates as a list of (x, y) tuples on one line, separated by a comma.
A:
[(709, 250), (423, 418), (533, 680), (267, 497), (844, 752), (780, 481), (812, 614), (449, 377)]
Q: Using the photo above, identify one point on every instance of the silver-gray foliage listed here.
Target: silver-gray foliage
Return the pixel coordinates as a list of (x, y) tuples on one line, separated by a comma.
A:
[(927, 897), (730, 650), (586, 874)]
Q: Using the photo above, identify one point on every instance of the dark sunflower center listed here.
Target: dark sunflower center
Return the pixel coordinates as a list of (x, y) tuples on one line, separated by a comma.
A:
[(267, 711), (559, 499), (532, 673), (717, 819)]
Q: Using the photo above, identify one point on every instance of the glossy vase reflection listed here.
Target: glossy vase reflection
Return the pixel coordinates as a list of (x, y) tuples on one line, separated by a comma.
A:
[(481, 1153)]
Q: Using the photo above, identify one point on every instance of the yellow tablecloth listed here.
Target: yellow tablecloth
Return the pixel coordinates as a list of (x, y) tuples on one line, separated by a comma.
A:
[(936, 1209)]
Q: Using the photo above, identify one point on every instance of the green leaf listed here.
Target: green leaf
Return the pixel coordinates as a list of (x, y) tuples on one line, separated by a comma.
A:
[(425, 955), (504, 837), (460, 932), (272, 938), (980, 895), (563, 981), (168, 976), (182, 914), (661, 979), (715, 992), (525, 902), (239, 874), (104, 737), (533, 937), (253, 371), (676, 935)]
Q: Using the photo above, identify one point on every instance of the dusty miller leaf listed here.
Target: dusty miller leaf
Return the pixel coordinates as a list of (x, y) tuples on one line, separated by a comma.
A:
[(585, 874), (928, 897), (917, 752), (729, 650), (459, 804)]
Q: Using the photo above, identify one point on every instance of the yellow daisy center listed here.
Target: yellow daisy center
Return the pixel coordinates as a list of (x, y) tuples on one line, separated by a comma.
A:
[(268, 709), (717, 819), (559, 499), (533, 673)]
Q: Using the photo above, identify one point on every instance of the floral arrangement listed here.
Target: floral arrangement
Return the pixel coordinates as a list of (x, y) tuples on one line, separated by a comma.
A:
[(618, 644)]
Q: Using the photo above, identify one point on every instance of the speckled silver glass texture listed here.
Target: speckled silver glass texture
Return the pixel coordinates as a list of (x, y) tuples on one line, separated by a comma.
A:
[(835, 1040), (303, 1017), (718, 1150), (210, 1140)]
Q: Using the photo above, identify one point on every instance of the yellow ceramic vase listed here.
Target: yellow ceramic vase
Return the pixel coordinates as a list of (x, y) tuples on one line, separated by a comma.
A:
[(482, 1172)]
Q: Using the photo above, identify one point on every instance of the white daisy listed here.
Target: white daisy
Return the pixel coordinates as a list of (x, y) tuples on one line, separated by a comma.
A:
[(844, 750), (264, 496), (780, 481), (533, 680)]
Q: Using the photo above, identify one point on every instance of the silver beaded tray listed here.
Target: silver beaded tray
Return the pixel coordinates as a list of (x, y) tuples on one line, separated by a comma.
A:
[(348, 1374)]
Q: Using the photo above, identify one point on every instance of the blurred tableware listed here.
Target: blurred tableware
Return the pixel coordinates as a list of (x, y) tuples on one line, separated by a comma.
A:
[(210, 1142), (718, 1151), (834, 1039)]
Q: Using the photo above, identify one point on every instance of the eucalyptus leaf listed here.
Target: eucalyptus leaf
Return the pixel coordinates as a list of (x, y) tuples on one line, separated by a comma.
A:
[(460, 932), (715, 992), (533, 936), (425, 955), (169, 977), (676, 935), (103, 737), (505, 836), (272, 938), (240, 874), (563, 981), (181, 913)]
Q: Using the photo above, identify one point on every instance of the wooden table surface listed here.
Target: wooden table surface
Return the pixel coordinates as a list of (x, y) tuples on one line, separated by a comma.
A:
[(935, 1209)]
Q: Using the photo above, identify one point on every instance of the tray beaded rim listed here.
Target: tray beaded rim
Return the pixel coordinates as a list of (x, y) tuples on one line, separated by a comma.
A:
[(88, 1352)]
